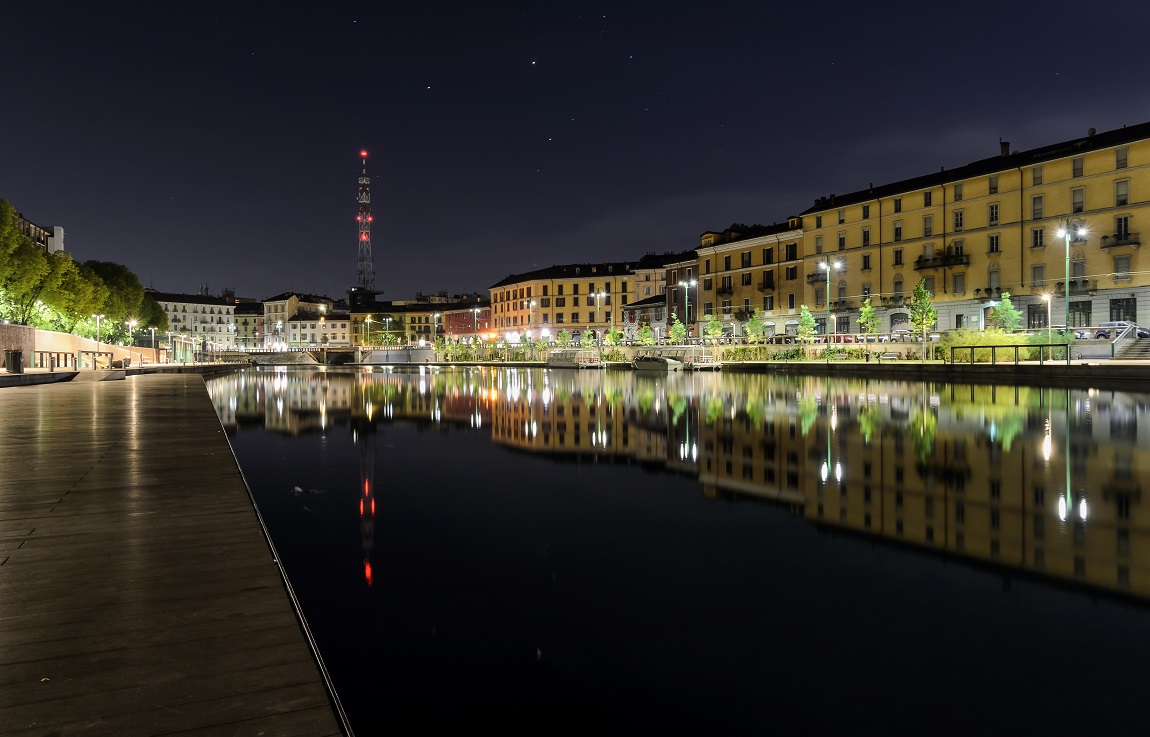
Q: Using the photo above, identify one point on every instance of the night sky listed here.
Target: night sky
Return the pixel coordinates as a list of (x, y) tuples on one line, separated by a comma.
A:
[(201, 143)]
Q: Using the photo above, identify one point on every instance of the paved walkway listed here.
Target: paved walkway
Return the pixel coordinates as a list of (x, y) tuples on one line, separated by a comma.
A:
[(138, 595)]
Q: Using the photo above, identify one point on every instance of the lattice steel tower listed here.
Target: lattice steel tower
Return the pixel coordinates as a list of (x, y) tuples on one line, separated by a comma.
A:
[(365, 270)]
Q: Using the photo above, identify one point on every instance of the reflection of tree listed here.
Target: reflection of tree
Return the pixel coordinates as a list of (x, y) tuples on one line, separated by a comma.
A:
[(923, 425), (646, 399), (869, 417), (808, 411), (678, 405), (714, 408)]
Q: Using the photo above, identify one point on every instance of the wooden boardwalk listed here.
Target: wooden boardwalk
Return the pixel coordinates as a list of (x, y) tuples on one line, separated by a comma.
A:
[(138, 595)]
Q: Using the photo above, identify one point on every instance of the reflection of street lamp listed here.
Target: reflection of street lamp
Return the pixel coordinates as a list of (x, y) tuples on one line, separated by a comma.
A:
[(832, 424), (686, 285), (1071, 229), (827, 266), (153, 329)]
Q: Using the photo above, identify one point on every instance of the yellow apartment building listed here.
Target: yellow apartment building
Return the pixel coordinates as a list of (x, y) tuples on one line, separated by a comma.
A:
[(744, 271), (571, 297), (990, 227)]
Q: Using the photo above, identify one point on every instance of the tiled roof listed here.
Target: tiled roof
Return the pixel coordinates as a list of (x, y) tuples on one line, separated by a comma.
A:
[(1018, 159)]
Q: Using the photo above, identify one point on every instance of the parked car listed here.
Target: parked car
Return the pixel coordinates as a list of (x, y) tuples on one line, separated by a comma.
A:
[(1078, 334), (1109, 329)]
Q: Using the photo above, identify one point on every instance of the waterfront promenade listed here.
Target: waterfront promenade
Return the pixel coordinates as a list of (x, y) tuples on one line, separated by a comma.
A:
[(138, 594)]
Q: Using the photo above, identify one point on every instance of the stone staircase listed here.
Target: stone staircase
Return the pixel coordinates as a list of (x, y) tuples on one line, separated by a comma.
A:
[(1136, 350)]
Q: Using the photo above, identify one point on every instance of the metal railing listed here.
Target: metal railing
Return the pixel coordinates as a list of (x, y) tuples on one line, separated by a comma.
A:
[(1045, 352)]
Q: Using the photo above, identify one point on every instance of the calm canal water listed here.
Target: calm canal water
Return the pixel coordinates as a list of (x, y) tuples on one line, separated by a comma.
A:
[(563, 551)]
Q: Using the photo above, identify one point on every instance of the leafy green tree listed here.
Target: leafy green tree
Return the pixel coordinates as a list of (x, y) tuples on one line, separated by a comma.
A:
[(923, 315), (645, 335), (81, 293), (868, 319), (614, 336), (31, 270), (563, 338), (755, 328), (677, 331), (152, 314), (10, 239), (713, 328), (807, 327), (125, 294), (1005, 316)]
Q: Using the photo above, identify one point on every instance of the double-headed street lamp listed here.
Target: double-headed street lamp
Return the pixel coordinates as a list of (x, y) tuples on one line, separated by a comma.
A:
[(434, 327), (1071, 229), (131, 327), (686, 285), (598, 296), (474, 324), (828, 266), (366, 330)]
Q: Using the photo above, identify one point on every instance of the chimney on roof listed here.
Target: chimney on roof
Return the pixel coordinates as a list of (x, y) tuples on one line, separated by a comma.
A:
[(1003, 147), (1091, 132)]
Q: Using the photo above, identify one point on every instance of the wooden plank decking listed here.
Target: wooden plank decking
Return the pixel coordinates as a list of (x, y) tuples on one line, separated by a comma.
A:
[(138, 595)]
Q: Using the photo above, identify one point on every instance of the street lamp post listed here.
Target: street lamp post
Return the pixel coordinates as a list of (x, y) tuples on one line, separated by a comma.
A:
[(434, 327), (131, 339), (171, 351), (1071, 229), (827, 266), (387, 330), (98, 318), (598, 296), (686, 285), (1049, 329), (474, 324), (366, 330)]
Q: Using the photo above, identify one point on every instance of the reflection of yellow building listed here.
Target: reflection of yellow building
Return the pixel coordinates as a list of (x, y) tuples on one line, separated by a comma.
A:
[(980, 472)]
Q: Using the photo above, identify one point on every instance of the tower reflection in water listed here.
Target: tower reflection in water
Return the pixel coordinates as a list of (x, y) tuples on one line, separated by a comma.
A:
[(1046, 481)]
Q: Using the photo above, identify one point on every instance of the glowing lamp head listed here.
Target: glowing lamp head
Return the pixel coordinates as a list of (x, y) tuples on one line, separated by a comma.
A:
[(363, 154)]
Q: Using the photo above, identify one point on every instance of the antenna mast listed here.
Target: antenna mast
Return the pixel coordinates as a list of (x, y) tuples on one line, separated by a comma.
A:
[(365, 270)]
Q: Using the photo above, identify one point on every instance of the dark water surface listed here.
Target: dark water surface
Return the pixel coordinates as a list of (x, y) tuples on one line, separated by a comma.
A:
[(561, 551)]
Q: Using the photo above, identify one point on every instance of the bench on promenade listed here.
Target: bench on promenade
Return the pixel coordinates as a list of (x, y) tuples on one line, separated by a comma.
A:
[(888, 356)]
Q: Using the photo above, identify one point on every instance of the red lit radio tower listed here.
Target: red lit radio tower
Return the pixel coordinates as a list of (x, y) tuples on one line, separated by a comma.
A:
[(365, 271)]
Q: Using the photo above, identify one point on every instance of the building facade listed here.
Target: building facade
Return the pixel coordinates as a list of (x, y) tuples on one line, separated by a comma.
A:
[(278, 310), (988, 228), (571, 297), (207, 320)]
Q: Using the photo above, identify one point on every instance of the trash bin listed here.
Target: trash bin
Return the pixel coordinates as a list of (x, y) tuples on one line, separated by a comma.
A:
[(868, 356), (14, 361)]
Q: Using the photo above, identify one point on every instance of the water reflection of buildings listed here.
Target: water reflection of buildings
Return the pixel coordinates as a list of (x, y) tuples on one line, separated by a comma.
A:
[(1045, 481)]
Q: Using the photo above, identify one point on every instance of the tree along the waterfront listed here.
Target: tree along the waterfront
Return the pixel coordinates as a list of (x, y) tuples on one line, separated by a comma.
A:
[(1005, 315), (923, 315)]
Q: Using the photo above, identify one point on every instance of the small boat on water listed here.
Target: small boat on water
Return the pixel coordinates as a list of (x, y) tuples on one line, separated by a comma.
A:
[(674, 358), (575, 358), (662, 360)]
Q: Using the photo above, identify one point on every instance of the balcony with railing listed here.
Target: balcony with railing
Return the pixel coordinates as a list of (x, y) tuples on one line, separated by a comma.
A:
[(724, 290), (767, 285), (1120, 239), (1077, 287), (816, 277), (941, 262)]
